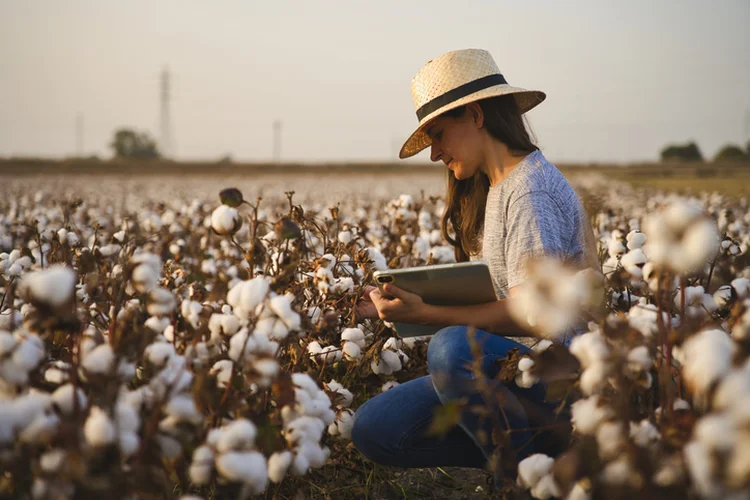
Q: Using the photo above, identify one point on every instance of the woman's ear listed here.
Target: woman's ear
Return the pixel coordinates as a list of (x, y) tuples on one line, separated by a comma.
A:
[(476, 114)]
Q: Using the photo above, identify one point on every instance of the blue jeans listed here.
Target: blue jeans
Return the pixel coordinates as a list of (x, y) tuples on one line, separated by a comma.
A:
[(389, 429)]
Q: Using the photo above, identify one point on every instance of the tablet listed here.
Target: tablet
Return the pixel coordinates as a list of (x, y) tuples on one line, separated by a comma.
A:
[(463, 283)]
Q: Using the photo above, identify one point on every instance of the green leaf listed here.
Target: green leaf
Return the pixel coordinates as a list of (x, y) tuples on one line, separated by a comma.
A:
[(445, 418)]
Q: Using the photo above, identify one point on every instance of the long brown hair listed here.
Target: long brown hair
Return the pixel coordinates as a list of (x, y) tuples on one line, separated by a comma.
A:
[(464, 211)]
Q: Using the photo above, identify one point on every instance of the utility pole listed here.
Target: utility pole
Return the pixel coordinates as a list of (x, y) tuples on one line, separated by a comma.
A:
[(277, 141), (79, 135), (165, 138)]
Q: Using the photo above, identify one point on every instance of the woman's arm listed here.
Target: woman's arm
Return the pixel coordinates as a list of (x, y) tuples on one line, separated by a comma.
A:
[(406, 307), (493, 317)]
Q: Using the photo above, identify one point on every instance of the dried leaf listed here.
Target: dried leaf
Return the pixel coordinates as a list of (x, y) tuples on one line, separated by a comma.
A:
[(445, 418)]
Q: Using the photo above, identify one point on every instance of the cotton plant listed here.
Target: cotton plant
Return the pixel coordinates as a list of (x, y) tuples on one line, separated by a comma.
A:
[(391, 358), (552, 299)]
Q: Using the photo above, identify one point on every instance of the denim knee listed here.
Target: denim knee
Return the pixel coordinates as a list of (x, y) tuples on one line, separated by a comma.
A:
[(448, 351), (365, 436)]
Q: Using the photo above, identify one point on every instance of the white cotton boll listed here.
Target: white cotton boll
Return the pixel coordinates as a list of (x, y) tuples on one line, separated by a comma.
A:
[(278, 465), (225, 220), (55, 376), (610, 437), (300, 465), (40, 429), (526, 380), (316, 456), (644, 433), (738, 469), (343, 424), (722, 296), (578, 492), (716, 431), (701, 242), (636, 239), (314, 348), (183, 407), (159, 353), (542, 346), (345, 396), (378, 261), (644, 318), (389, 385), (533, 468), (706, 357), (247, 467), (223, 324), (617, 472), (242, 345), (157, 324), (351, 351), (29, 352), (633, 262), (237, 435), (525, 363), (587, 414), (7, 342), (391, 359), (100, 360), (63, 398), (344, 285), (546, 488), (741, 287), (680, 404), (594, 378), (354, 335), (329, 354), (700, 466), (639, 359), (52, 460), (222, 370), (281, 305), (616, 247), (733, 386), (160, 302), (129, 443), (202, 465), (590, 348), (145, 275), (345, 237), (98, 429), (245, 296), (53, 286)]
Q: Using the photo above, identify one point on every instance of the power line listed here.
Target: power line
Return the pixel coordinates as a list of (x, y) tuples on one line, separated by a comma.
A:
[(277, 141), (164, 119), (79, 135)]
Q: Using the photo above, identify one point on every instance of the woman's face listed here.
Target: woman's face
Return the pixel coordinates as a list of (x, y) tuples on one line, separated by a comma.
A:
[(457, 142)]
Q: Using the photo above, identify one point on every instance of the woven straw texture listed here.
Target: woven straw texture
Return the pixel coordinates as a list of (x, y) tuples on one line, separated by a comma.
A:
[(449, 71)]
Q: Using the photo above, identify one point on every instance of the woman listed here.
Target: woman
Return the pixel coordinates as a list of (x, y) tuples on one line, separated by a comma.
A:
[(505, 203)]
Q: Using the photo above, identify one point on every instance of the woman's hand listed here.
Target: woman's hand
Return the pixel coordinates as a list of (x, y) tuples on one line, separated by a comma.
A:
[(365, 308), (404, 307)]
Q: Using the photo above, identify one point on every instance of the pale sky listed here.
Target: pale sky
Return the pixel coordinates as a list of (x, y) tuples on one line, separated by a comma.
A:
[(622, 78)]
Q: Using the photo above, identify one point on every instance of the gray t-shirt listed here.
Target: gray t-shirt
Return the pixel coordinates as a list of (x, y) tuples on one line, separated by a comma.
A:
[(534, 211)]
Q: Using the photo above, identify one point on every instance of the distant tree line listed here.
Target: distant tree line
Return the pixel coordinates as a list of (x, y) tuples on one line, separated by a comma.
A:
[(690, 152), (133, 145)]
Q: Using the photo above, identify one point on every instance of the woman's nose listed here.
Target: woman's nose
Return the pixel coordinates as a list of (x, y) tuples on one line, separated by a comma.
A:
[(435, 152)]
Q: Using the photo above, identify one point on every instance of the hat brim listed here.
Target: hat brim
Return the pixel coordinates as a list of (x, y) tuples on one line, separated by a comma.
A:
[(419, 140)]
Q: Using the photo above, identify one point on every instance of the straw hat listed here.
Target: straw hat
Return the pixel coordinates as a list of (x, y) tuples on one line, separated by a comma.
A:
[(455, 79)]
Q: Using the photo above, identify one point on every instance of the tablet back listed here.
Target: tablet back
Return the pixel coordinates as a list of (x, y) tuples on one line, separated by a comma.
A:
[(464, 283)]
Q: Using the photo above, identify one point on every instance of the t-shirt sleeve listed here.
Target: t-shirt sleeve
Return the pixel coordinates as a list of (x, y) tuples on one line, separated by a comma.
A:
[(534, 228)]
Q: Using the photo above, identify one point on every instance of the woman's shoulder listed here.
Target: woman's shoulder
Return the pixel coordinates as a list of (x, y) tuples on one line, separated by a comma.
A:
[(535, 174)]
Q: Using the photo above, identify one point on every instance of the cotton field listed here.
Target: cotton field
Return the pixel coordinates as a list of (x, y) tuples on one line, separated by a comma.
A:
[(175, 337)]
